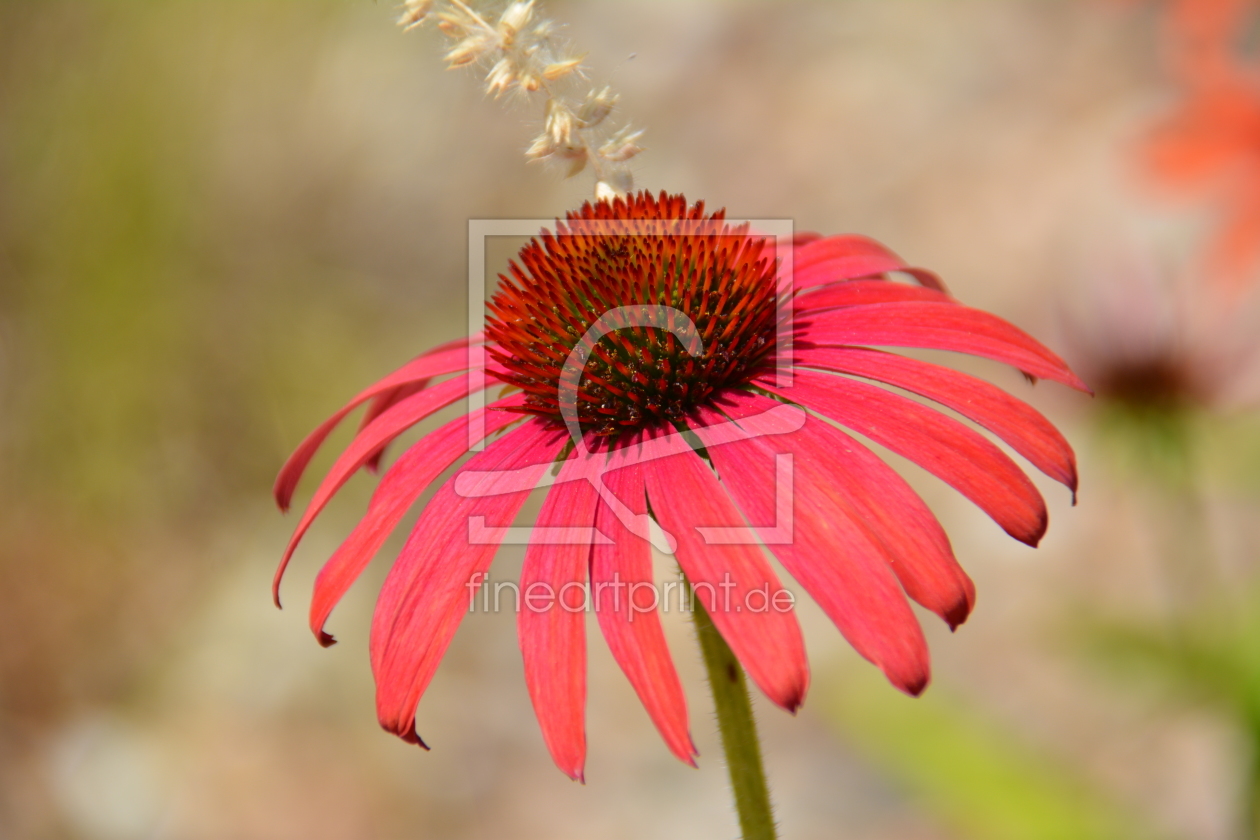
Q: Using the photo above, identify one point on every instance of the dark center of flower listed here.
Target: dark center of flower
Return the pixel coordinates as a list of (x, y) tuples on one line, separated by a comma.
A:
[(634, 312), (1158, 383)]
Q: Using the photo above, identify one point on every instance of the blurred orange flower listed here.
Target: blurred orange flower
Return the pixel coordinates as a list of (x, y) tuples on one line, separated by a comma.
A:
[(1211, 146), (1203, 37)]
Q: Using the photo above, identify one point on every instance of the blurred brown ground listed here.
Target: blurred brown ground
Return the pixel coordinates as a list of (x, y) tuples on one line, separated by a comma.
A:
[(218, 221)]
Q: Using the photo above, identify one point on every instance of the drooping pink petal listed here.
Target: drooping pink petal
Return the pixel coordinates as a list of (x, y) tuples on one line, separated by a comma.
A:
[(1014, 421), (917, 546), (861, 292), (945, 447), (443, 360), (621, 569), (812, 525), (684, 494), (551, 621), (432, 583), (940, 326), (398, 490), (379, 405), (381, 402), (385, 428), (835, 258)]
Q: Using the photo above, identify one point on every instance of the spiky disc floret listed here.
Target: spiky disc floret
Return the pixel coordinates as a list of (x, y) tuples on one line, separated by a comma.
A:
[(617, 260)]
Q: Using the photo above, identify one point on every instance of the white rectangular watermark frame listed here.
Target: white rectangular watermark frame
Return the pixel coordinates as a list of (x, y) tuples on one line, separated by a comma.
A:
[(781, 231)]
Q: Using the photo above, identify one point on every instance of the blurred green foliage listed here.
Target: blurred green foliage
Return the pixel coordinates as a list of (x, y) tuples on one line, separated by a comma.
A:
[(148, 337), (967, 768), (171, 321)]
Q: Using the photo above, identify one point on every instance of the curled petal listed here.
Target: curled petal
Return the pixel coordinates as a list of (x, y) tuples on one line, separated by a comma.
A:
[(385, 428), (401, 485), (449, 358), (379, 406)]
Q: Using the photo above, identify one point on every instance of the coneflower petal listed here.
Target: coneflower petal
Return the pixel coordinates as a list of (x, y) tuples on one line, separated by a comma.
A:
[(379, 406), (551, 622), (381, 402), (685, 494), (401, 485), (829, 552), (945, 447), (916, 544), (1014, 421), (623, 567), (668, 315), (861, 292), (836, 258), (430, 586), (446, 359), (940, 326), (385, 428)]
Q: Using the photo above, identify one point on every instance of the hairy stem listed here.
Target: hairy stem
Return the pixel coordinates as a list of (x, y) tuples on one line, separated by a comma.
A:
[(738, 728)]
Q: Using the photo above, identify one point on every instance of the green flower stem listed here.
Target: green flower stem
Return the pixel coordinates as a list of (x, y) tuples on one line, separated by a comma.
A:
[(1252, 793), (738, 728)]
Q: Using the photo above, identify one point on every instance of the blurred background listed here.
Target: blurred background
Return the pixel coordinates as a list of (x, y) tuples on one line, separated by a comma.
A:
[(219, 221)]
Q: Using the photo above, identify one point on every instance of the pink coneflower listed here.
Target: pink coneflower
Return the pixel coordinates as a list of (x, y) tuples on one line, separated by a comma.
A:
[(682, 419)]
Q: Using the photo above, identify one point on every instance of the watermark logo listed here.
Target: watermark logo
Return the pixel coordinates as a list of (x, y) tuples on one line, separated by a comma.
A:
[(782, 419), (631, 598)]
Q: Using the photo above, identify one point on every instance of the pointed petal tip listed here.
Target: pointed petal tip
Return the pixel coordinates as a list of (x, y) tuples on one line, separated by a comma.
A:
[(325, 639), (957, 616), (685, 753), (412, 737), (1031, 540), (282, 491), (910, 677), (792, 699), (917, 687), (1032, 537), (687, 756), (279, 575)]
